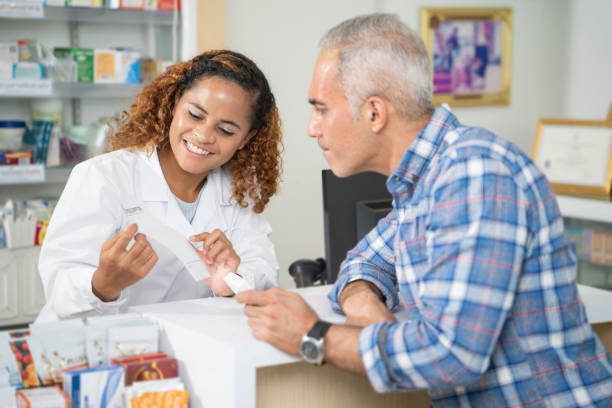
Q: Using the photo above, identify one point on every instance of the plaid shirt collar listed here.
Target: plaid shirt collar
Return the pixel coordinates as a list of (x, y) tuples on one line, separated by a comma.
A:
[(423, 149)]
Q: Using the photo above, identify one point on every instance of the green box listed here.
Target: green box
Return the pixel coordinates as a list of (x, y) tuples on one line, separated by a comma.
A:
[(84, 58)]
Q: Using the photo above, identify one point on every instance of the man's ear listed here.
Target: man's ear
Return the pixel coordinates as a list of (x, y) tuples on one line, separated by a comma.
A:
[(248, 137), (374, 112)]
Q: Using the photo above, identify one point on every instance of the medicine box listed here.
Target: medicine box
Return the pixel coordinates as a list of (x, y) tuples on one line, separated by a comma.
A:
[(84, 58)]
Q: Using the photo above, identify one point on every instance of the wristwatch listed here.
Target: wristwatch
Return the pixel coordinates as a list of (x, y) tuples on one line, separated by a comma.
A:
[(311, 345)]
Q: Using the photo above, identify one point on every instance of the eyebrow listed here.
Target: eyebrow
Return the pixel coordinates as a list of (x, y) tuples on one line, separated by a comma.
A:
[(229, 122), (313, 101)]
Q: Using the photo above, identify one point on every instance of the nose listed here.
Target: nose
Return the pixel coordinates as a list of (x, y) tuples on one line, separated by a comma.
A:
[(204, 134), (314, 126)]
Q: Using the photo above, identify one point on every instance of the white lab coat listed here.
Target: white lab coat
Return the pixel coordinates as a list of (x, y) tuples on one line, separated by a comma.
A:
[(90, 211)]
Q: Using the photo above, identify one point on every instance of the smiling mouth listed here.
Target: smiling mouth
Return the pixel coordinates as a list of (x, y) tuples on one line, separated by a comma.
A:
[(195, 149)]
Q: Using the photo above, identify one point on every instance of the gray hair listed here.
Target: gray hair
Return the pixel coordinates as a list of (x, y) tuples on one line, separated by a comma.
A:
[(381, 56)]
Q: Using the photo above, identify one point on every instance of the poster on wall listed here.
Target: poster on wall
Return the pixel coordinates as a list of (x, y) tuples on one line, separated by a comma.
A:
[(471, 54)]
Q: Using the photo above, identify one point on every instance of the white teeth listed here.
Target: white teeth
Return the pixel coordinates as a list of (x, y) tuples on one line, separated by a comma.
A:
[(195, 149)]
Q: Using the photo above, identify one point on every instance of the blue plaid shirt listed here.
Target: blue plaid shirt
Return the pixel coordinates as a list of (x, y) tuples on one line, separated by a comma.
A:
[(475, 252)]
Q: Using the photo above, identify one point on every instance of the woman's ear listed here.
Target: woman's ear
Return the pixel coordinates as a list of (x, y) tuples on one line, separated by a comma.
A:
[(374, 112), (247, 138)]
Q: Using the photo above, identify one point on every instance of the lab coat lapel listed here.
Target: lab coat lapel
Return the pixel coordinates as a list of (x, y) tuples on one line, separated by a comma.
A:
[(155, 190), (210, 212)]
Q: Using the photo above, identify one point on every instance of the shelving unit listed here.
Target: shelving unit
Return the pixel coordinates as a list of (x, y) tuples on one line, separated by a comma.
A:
[(45, 88), (585, 208), (33, 174), (21, 294), (32, 11), (106, 15)]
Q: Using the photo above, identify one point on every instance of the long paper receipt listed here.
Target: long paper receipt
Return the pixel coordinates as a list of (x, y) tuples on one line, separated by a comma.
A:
[(171, 239)]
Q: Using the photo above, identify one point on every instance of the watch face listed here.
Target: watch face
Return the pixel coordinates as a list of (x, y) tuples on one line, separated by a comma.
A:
[(309, 350)]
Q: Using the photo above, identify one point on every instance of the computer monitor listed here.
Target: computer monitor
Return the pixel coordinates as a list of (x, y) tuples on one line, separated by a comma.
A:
[(351, 207)]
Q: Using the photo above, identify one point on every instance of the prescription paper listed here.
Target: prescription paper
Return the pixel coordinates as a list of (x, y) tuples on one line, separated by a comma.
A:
[(171, 239)]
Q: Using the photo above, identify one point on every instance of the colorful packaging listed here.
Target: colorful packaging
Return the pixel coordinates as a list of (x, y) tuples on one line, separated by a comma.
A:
[(169, 5), (105, 66), (132, 4), (47, 397), (8, 363), (17, 158), (28, 70), (98, 387), (148, 367), (96, 338), (25, 362), (42, 363), (130, 341), (160, 393), (9, 51), (41, 232), (128, 66), (63, 343), (84, 58), (150, 68), (36, 138)]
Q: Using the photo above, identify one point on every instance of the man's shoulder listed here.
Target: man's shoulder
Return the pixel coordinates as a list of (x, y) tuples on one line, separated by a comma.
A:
[(467, 142)]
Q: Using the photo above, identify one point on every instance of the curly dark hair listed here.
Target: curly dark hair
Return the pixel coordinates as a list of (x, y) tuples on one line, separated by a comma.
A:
[(256, 168)]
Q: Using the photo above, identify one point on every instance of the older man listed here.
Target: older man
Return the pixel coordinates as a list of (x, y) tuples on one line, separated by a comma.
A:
[(473, 248)]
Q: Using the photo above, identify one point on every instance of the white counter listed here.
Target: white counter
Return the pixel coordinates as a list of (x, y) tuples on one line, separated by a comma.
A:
[(218, 357)]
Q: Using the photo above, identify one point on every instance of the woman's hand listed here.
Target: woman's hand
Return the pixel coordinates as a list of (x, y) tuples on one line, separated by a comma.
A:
[(121, 267), (219, 256)]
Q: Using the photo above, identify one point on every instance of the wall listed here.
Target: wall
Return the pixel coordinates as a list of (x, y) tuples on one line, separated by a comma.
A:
[(552, 39), (589, 64), (281, 37)]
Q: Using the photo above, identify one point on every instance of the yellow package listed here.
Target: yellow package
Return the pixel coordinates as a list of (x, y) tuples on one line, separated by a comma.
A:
[(154, 399)]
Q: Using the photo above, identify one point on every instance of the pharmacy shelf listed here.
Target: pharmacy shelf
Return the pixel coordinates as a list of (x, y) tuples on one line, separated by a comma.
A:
[(585, 208), (76, 90), (57, 174), (45, 88), (97, 15), (33, 174)]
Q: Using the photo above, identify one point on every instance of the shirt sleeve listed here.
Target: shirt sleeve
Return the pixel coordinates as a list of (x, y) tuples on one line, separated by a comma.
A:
[(475, 239), (87, 214), (250, 238), (372, 260)]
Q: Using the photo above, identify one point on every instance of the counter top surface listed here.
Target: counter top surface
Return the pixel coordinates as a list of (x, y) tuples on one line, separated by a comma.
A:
[(223, 320), (218, 356)]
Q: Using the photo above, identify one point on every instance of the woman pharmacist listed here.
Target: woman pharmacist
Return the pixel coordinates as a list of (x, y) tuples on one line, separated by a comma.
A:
[(200, 151)]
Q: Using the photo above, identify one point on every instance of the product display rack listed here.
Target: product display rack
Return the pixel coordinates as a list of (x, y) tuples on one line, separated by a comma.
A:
[(585, 208), (21, 293), (46, 88)]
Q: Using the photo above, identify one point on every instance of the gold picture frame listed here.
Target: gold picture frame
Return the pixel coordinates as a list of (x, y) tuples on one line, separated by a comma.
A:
[(575, 155), (470, 52)]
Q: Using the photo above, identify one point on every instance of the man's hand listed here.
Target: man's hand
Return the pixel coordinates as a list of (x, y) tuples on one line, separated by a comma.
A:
[(219, 256), (120, 267), (278, 317), (363, 304)]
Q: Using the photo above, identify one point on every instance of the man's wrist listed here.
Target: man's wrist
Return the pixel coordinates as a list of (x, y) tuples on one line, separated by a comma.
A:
[(359, 287)]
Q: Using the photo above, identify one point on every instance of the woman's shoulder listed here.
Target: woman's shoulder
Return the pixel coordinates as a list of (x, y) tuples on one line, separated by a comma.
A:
[(117, 159), (114, 166)]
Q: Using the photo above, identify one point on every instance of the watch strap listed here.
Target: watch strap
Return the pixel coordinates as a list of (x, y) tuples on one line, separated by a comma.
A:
[(319, 329)]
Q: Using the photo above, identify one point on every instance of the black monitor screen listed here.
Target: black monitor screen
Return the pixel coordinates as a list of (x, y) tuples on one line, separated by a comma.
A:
[(351, 207)]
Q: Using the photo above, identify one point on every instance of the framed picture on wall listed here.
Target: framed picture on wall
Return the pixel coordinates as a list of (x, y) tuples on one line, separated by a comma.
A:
[(575, 155), (471, 54)]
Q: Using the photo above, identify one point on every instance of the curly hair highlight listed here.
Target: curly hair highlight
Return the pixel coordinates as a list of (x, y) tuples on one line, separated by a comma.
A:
[(256, 168)]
